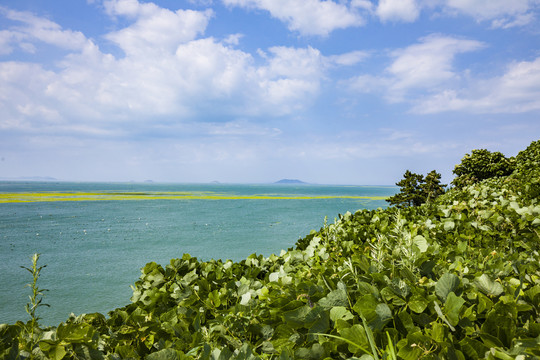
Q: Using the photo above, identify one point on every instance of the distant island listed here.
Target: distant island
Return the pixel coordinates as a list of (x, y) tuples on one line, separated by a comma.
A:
[(289, 181)]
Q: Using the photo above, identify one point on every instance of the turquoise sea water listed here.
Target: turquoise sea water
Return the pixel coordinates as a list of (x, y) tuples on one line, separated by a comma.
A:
[(94, 249)]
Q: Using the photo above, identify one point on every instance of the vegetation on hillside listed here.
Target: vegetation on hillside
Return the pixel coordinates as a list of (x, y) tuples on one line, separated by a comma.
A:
[(455, 278)]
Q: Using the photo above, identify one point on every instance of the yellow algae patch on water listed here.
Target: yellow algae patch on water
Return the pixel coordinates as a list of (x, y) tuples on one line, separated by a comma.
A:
[(123, 196)]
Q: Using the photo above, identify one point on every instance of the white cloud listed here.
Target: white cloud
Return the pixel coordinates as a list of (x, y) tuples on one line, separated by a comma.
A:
[(309, 17), (429, 62), (398, 10), (489, 9), (289, 76), (424, 76), (502, 13), (516, 91), (161, 80), (155, 28), (233, 39), (348, 59), (40, 29), (509, 22), (426, 65)]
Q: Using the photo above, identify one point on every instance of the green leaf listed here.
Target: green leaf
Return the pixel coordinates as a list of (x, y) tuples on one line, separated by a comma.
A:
[(487, 286), (501, 323), (165, 354), (340, 313), (452, 307), (449, 225), (58, 352), (418, 303), (400, 287), (421, 243), (356, 337), (334, 298), (442, 316), (317, 320), (54, 350), (376, 314), (411, 347), (75, 333), (447, 283)]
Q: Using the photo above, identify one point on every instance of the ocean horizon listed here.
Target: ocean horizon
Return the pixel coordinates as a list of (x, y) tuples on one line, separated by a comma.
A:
[(95, 237)]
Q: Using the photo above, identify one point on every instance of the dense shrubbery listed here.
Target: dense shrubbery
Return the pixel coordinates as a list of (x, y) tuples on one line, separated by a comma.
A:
[(480, 165), (457, 278)]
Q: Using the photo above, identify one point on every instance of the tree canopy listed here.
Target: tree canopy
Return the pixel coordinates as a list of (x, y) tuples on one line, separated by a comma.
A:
[(416, 190), (481, 164)]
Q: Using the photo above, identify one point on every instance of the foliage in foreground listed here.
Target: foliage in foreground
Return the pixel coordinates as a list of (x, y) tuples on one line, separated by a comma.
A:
[(458, 278)]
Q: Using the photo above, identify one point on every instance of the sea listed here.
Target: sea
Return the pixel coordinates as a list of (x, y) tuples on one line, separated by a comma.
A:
[(92, 249)]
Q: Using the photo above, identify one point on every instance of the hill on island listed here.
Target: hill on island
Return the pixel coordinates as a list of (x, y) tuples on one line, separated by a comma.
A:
[(289, 181)]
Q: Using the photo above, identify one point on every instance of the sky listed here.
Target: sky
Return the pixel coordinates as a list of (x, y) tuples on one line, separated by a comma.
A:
[(253, 91)]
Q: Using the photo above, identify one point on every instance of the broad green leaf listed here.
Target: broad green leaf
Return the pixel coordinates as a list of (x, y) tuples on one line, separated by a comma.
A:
[(165, 354), (340, 313), (52, 349), (438, 332), (334, 298), (411, 347), (317, 320), (421, 243), (356, 337), (447, 283), (442, 316), (501, 323), (452, 307), (376, 314), (297, 317), (75, 332), (315, 352), (487, 286), (400, 287), (449, 225), (58, 352), (245, 298), (418, 303)]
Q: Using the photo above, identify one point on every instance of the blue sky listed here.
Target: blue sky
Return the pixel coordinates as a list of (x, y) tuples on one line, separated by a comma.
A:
[(249, 91)]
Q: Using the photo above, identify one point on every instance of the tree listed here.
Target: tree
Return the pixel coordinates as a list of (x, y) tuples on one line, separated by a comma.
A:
[(432, 186), (529, 159), (416, 190), (480, 165)]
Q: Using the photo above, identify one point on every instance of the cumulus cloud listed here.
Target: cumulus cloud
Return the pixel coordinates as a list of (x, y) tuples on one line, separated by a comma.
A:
[(309, 17), (489, 9), (428, 63), (398, 10), (424, 76), (425, 66), (155, 28), (33, 28), (350, 58), (501, 13), (169, 73), (516, 91)]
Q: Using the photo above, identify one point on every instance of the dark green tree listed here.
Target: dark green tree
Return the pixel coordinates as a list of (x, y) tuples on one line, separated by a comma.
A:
[(529, 159), (480, 165), (432, 186), (416, 190), (411, 192)]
